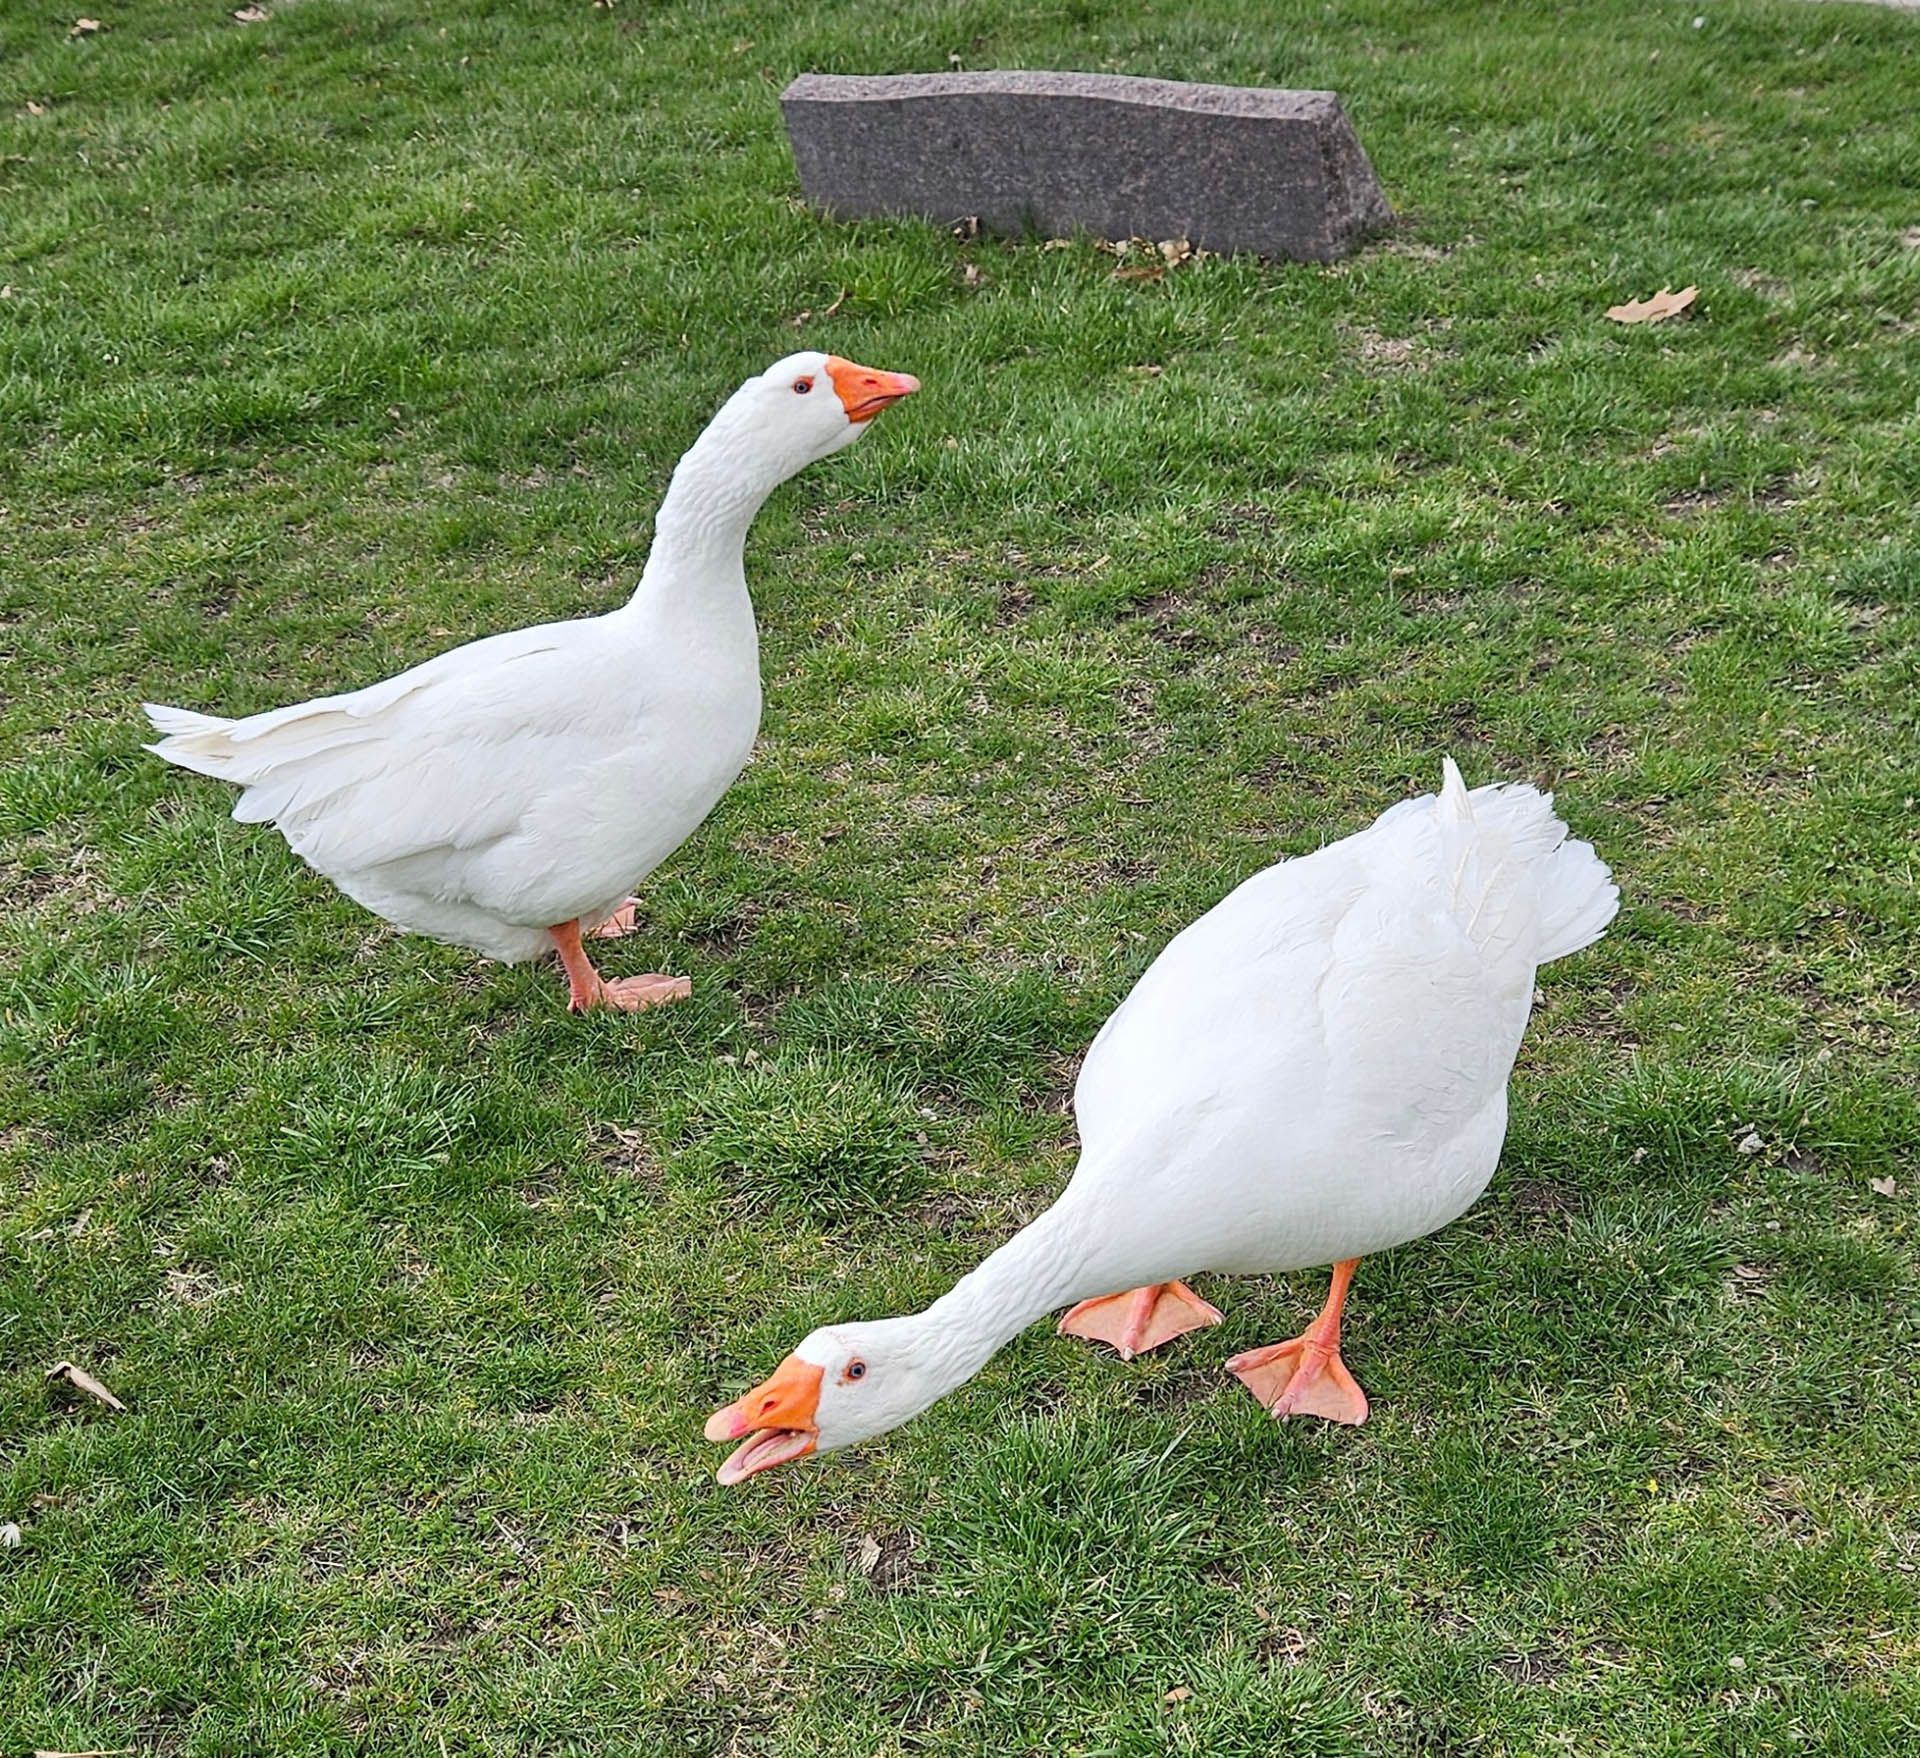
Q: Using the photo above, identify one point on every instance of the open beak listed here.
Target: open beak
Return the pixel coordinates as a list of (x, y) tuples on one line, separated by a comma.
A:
[(864, 392), (779, 1418)]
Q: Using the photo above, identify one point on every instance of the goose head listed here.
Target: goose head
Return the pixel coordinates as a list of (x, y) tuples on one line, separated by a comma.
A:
[(810, 405), (844, 1384)]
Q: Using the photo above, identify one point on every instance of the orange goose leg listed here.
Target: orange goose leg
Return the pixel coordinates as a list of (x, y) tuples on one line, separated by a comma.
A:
[(587, 988), (1306, 1377), (1141, 1319)]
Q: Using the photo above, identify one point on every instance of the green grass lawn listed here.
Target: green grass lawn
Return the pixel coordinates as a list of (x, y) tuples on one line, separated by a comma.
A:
[(334, 339)]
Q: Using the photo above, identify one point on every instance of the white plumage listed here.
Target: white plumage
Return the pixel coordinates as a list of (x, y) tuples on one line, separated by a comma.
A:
[(508, 794), (1317, 1068), (1313, 1071)]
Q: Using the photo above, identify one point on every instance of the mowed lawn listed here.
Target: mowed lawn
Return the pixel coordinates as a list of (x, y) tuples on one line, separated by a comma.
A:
[(336, 338)]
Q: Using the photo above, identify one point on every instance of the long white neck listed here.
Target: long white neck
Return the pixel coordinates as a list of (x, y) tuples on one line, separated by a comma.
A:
[(694, 570), (1056, 1260)]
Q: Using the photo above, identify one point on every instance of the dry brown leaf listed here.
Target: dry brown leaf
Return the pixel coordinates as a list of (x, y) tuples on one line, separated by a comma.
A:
[(1179, 1694), (1175, 249), (34, 109), (801, 319), (970, 275), (91, 1752), (1057, 244), (79, 1378), (252, 15), (85, 27), (1151, 271), (194, 1287), (1663, 305), (1884, 1186), (886, 1560)]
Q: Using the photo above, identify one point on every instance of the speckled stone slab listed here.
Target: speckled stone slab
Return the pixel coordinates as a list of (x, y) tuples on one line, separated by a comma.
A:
[(1278, 173)]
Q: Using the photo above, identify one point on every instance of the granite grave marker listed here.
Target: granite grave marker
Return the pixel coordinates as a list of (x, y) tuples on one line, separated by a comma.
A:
[(1278, 173)]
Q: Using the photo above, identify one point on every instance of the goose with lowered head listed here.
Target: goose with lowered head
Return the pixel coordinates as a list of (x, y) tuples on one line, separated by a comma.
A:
[(507, 795), (1313, 1071)]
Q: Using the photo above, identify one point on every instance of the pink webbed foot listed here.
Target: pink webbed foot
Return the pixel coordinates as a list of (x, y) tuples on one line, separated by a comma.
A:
[(587, 988), (1301, 1378), (1306, 1377), (1141, 1319), (633, 994), (621, 923)]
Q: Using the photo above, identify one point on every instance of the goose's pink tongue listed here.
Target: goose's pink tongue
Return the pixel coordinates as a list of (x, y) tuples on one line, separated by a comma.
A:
[(764, 1448)]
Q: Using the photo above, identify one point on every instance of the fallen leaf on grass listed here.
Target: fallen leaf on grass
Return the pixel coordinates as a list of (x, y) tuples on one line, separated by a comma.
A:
[(79, 1377), (1179, 1694), (34, 109), (1663, 305), (1883, 1186), (252, 15), (84, 27), (1750, 1143), (194, 1287), (1151, 271), (886, 1559), (91, 1752), (802, 318)]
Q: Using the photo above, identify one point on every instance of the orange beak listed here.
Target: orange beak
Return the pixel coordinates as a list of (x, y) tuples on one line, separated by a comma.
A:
[(864, 392), (778, 1417)]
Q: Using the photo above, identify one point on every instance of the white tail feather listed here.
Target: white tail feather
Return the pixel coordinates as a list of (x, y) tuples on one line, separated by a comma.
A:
[(1516, 881), (200, 742), (182, 722), (1578, 898)]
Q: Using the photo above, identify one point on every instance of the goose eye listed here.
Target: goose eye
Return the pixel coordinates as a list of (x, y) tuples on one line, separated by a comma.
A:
[(856, 1369), (801, 386)]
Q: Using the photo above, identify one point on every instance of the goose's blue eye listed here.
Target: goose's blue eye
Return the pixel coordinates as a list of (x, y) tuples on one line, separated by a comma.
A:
[(856, 1370), (801, 386)]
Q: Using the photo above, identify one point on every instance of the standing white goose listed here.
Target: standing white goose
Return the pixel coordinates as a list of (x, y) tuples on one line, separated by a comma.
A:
[(1315, 1070), (507, 795)]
